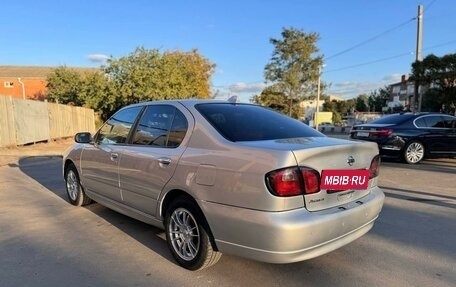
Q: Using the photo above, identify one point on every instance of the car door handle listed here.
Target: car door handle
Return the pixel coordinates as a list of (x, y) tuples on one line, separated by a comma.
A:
[(114, 156), (164, 161)]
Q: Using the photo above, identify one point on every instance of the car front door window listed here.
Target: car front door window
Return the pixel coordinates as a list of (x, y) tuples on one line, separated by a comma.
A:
[(117, 128)]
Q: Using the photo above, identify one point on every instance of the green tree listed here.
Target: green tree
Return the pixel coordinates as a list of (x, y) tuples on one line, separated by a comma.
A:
[(149, 75), (64, 86), (439, 75), (143, 75), (275, 99), (338, 108), (294, 66), (361, 105), (378, 99), (98, 94)]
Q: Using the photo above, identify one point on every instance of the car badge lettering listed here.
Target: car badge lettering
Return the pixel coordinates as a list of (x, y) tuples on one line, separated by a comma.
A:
[(350, 160)]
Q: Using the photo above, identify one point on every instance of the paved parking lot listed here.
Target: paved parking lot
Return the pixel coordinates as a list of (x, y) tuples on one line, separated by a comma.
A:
[(44, 241)]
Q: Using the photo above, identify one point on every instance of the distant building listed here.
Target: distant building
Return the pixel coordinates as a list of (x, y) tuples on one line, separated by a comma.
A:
[(335, 98), (309, 107), (402, 93), (28, 82)]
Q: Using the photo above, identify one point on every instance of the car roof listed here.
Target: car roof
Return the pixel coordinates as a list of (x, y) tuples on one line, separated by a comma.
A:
[(400, 118), (185, 102)]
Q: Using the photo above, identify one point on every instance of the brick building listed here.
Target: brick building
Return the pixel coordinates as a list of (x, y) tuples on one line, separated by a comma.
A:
[(28, 82), (23, 81)]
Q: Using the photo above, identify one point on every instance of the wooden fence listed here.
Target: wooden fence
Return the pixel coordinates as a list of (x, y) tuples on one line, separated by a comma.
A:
[(27, 121)]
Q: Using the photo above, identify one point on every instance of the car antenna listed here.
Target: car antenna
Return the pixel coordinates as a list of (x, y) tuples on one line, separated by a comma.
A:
[(233, 99)]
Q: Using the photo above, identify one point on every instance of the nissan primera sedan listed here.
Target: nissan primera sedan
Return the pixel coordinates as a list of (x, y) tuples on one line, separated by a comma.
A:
[(233, 178), (411, 137)]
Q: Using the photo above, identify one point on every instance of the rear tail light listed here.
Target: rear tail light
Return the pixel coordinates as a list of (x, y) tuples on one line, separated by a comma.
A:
[(311, 180), (375, 167), (382, 132), (293, 181)]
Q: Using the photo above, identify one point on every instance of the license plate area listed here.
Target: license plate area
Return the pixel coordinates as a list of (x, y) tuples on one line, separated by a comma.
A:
[(363, 134), (336, 180)]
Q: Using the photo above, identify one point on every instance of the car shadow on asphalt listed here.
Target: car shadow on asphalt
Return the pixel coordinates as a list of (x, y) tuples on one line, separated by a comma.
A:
[(46, 170), (433, 201), (395, 224), (426, 165)]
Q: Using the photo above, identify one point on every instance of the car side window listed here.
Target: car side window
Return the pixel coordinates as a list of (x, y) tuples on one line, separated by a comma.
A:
[(117, 128), (420, 123), (161, 126), (450, 122), (435, 122), (178, 129)]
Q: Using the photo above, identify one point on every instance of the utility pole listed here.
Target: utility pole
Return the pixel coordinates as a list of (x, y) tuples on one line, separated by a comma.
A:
[(419, 47), (318, 98)]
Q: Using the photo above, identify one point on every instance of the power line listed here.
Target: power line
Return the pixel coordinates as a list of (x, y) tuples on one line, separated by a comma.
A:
[(388, 58), (371, 62), (429, 5), (440, 45), (371, 39)]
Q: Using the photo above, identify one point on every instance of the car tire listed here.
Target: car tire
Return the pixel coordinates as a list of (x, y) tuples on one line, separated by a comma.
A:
[(75, 192), (188, 235), (414, 152)]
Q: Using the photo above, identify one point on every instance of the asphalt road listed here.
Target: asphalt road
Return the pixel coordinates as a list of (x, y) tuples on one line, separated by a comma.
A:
[(44, 241)]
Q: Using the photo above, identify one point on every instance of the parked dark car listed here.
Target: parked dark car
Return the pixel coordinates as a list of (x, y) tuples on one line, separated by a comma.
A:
[(411, 137)]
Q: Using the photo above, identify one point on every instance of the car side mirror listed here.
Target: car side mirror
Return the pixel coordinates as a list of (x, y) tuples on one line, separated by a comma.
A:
[(84, 137)]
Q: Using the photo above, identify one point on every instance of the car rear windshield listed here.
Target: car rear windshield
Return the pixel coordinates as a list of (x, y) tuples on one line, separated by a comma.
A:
[(392, 119), (244, 122)]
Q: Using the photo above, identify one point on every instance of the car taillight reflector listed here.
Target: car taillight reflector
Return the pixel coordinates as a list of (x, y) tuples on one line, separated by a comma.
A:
[(382, 132), (375, 167), (293, 181), (311, 180)]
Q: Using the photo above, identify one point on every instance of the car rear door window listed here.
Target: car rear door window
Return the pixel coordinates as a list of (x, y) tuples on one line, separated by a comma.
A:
[(434, 122), (244, 122), (420, 123), (450, 122), (160, 126), (178, 129), (117, 128)]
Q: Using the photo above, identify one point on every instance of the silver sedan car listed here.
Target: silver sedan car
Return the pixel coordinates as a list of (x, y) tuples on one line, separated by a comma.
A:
[(222, 177)]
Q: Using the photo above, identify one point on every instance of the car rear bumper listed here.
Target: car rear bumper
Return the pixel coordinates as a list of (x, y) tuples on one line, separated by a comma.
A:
[(290, 236)]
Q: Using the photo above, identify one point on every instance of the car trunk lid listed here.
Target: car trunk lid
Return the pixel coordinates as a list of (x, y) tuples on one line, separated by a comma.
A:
[(342, 157)]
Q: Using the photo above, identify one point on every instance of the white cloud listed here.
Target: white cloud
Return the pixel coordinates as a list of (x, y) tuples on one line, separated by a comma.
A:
[(243, 90), (352, 89), (97, 58), (241, 87), (393, 78)]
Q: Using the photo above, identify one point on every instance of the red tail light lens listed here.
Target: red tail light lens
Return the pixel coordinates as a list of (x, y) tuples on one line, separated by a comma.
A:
[(311, 180), (382, 132), (375, 167), (293, 181), (284, 182)]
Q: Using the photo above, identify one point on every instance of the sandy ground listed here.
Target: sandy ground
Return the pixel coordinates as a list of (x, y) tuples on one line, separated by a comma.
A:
[(11, 155)]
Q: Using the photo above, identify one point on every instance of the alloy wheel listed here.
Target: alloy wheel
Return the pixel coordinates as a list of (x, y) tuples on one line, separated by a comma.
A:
[(72, 185), (184, 234), (414, 152)]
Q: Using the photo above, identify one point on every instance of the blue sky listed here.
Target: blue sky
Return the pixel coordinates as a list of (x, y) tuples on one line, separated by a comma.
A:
[(232, 34)]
